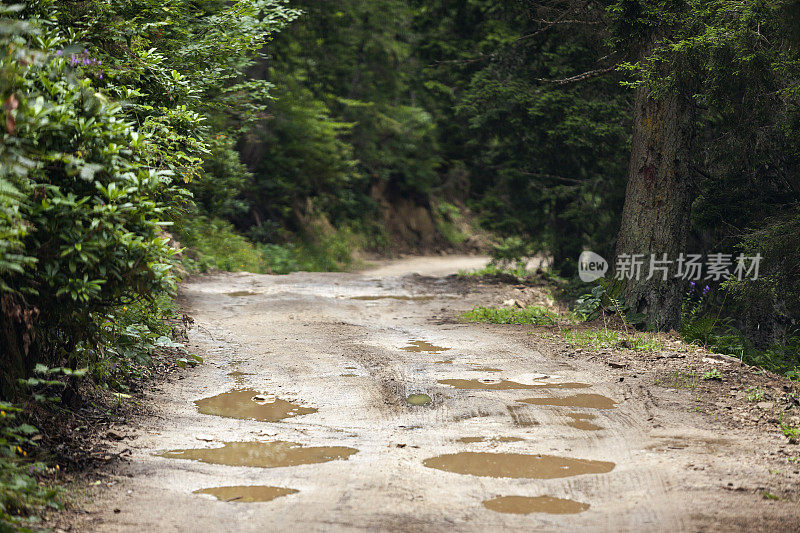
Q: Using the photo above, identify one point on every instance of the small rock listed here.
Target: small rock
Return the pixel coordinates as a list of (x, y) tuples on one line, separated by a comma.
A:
[(204, 438), (616, 364), (113, 435), (765, 405)]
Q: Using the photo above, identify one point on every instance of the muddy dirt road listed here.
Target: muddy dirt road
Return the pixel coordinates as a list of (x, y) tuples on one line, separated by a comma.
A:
[(350, 402)]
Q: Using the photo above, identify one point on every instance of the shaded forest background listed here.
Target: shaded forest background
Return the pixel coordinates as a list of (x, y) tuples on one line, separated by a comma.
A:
[(270, 136)]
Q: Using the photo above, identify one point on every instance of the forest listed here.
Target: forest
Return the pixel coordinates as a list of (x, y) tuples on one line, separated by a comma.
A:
[(145, 141)]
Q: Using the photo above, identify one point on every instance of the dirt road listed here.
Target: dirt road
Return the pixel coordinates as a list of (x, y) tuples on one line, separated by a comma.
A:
[(349, 402)]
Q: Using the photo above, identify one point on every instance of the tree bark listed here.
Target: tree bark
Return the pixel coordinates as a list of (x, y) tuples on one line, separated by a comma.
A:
[(655, 217)]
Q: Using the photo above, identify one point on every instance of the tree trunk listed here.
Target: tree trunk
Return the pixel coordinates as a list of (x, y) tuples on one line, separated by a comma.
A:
[(15, 339), (655, 218)]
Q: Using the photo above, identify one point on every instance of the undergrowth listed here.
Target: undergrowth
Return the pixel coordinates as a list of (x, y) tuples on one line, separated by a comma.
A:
[(213, 244), (22, 497)]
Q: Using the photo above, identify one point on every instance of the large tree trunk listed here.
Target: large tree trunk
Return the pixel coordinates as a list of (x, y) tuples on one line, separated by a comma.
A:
[(655, 219)]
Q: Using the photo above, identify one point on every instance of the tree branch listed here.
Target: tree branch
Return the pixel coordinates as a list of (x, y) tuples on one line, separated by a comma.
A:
[(579, 77)]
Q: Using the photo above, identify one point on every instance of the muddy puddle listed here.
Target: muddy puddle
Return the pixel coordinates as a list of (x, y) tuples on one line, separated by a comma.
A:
[(423, 346), (593, 401), (250, 405), (419, 399), (238, 374), (516, 465), (444, 362), (581, 421), (239, 294), (535, 504), (487, 369), (502, 384), (470, 440), (349, 375), (262, 454), (426, 298), (247, 493)]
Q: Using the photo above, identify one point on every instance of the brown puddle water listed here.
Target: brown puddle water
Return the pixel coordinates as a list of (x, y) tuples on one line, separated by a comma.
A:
[(579, 421), (469, 440), (262, 454), (247, 493), (423, 346), (241, 293), (250, 405), (394, 297), (593, 401), (445, 362), (502, 384), (516, 465), (536, 504), (239, 373)]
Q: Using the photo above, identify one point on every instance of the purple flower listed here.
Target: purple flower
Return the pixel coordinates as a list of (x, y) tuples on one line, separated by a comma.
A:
[(705, 290), (59, 52), (691, 284), (31, 470)]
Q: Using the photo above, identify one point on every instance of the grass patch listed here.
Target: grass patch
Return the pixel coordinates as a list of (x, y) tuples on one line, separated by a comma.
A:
[(681, 380), (606, 338), (500, 315), (755, 394), (518, 271), (790, 432)]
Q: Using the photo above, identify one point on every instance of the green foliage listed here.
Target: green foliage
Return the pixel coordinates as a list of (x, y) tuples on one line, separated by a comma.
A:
[(606, 338), (546, 161), (21, 496), (713, 374), (755, 394), (517, 271), (790, 431), (499, 315), (213, 244), (447, 216), (343, 125), (224, 178), (108, 110), (603, 299), (301, 160), (511, 250)]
